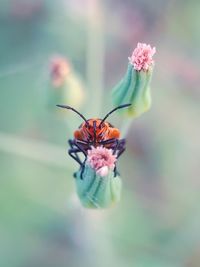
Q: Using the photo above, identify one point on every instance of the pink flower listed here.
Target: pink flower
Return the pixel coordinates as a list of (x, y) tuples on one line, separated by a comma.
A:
[(141, 58), (101, 160), (59, 69)]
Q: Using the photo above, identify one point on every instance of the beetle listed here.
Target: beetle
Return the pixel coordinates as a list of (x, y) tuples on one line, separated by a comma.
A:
[(95, 132)]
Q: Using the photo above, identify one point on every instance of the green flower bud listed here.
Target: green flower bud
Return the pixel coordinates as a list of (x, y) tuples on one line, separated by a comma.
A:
[(64, 85), (96, 191), (134, 88)]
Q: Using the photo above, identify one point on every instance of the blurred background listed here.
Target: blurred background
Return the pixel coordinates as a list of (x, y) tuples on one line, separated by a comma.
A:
[(73, 52)]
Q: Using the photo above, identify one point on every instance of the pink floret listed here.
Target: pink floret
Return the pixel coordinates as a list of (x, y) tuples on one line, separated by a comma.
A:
[(101, 159), (141, 58), (59, 69)]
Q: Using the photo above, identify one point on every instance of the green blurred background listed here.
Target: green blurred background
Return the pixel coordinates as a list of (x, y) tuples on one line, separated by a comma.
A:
[(157, 222)]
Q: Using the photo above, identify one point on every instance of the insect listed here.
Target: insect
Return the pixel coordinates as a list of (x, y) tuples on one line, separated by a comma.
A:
[(95, 132)]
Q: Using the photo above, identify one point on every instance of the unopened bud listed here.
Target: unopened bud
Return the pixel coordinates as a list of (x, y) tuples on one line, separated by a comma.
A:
[(96, 191), (65, 85), (97, 184)]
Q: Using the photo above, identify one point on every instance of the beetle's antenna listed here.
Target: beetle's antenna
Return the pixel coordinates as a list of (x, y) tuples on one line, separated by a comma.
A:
[(121, 106), (68, 107)]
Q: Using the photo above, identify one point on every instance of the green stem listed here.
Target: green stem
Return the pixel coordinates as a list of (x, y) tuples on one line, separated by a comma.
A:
[(33, 149), (126, 127), (95, 57)]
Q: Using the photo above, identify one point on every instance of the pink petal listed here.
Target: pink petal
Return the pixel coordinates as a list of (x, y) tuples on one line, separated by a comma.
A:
[(103, 171), (141, 58)]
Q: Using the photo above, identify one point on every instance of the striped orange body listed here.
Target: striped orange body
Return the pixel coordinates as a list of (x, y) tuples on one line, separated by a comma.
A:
[(95, 132)]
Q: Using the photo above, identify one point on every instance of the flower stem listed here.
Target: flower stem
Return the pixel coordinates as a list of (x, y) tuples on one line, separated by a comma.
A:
[(126, 127), (95, 55), (35, 150)]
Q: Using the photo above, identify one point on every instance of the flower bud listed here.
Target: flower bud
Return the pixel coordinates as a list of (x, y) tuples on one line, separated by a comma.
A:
[(96, 191), (97, 185), (64, 84), (134, 88)]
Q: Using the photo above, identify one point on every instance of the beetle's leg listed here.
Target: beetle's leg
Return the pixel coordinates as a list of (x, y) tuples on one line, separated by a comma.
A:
[(77, 144), (72, 146), (118, 149), (83, 147), (108, 141), (121, 147), (82, 142), (115, 143), (85, 154), (116, 146), (120, 152), (82, 164), (73, 153), (116, 171)]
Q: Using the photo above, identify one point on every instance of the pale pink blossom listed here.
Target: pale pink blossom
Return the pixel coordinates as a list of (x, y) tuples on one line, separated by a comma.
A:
[(141, 58), (101, 159), (59, 69), (103, 171)]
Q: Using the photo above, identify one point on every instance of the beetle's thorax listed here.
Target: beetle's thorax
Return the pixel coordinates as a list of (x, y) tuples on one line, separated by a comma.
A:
[(95, 132)]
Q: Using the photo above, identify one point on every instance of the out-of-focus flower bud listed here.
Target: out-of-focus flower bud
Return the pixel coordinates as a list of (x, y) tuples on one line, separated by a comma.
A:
[(134, 88), (59, 69), (97, 186), (64, 84), (96, 191)]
